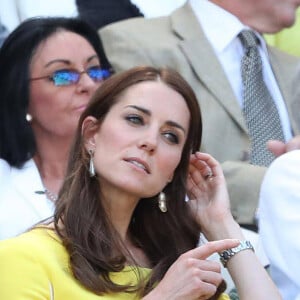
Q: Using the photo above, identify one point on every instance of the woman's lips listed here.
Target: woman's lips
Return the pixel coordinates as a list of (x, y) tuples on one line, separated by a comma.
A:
[(139, 163)]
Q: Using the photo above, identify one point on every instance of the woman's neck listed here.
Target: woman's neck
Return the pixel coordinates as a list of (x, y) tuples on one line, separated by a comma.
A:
[(120, 209), (51, 159)]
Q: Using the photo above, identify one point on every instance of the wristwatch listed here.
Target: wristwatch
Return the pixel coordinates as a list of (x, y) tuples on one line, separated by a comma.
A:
[(227, 254)]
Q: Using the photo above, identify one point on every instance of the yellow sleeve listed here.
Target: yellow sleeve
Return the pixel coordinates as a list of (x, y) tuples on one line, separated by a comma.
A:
[(224, 297), (21, 275)]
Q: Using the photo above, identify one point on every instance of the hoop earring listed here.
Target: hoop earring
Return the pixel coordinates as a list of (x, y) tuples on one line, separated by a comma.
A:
[(28, 117), (91, 165), (162, 202)]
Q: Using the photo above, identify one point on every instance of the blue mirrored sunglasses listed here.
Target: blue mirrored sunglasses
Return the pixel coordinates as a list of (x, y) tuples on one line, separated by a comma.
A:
[(68, 77)]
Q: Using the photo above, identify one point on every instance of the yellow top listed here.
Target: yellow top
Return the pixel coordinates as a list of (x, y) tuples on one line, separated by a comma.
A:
[(35, 266)]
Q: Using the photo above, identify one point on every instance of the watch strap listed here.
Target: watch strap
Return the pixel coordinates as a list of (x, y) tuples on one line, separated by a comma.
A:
[(228, 253)]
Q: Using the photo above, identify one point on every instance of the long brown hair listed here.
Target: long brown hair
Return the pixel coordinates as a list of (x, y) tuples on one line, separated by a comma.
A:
[(94, 246)]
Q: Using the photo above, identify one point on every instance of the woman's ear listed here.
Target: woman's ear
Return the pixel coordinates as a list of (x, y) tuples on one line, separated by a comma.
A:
[(89, 129), (170, 178)]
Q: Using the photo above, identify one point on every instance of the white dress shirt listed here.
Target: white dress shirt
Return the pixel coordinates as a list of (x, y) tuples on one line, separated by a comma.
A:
[(221, 29), (279, 222), (13, 12), (20, 206)]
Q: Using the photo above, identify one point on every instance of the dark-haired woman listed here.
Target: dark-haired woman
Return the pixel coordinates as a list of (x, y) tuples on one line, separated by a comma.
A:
[(49, 69), (122, 227)]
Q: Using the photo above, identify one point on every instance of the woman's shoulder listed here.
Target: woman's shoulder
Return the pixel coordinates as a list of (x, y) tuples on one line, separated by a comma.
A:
[(26, 175), (4, 167), (30, 263), (37, 243), (5, 174), (38, 250)]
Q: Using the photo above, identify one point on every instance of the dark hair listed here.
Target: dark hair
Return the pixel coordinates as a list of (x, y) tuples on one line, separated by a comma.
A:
[(17, 139), (93, 244), (100, 13)]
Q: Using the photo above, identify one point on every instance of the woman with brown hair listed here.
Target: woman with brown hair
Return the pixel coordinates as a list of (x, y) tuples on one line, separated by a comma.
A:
[(122, 226)]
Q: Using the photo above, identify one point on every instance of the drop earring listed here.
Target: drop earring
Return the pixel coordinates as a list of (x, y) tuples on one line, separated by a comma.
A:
[(91, 166), (162, 202), (28, 117)]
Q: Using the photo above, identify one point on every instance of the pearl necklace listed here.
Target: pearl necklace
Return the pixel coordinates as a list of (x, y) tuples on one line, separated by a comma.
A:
[(50, 195)]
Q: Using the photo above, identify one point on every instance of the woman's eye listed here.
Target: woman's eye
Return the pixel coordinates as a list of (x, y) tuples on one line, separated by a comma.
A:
[(172, 137), (135, 119)]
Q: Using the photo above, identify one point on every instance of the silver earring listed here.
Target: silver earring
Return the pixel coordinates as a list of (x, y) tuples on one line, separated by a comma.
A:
[(91, 166), (162, 202), (28, 117)]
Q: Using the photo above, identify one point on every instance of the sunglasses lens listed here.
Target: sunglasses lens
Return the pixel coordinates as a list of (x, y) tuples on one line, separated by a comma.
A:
[(98, 74), (65, 77)]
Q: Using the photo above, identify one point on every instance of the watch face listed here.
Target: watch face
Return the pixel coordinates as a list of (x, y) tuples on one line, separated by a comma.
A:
[(226, 255)]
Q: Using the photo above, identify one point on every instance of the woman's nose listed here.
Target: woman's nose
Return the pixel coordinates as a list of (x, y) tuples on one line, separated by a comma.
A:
[(148, 142), (86, 84)]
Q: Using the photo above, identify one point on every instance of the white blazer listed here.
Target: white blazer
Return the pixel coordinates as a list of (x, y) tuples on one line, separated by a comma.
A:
[(20, 206)]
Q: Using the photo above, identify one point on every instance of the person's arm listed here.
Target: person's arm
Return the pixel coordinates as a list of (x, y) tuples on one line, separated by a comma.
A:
[(21, 275), (279, 219), (243, 183), (211, 203)]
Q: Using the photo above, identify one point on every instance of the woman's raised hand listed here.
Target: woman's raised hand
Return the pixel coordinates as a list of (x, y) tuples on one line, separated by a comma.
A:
[(208, 194), (192, 276)]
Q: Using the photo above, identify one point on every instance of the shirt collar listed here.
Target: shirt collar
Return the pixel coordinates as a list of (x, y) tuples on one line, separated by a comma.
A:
[(220, 26)]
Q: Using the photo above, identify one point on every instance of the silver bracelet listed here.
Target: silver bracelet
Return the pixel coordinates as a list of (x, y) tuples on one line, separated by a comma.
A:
[(227, 254)]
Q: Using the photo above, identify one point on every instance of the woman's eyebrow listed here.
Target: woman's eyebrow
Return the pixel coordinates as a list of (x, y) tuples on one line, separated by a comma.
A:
[(148, 112), (92, 57), (175, 124), (64, 61), (141, 109), (68, 62)]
